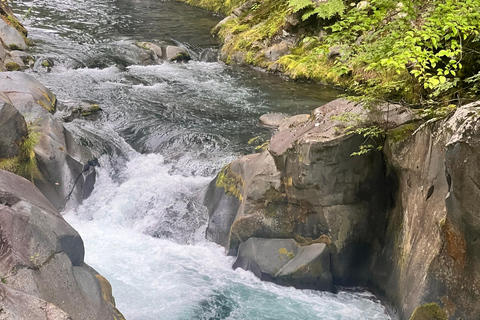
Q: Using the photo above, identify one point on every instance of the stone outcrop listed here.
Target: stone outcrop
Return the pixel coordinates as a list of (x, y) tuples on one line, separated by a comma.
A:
[(400, 220), (66, 168), (284, 261), (431, 250), (13, 129), (169, 53), (41, 260)]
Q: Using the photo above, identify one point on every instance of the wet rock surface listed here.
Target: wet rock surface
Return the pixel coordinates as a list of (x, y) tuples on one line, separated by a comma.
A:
[(399, 220)]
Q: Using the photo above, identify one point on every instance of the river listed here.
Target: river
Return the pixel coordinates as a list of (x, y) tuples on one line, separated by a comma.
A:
[(164, 132)]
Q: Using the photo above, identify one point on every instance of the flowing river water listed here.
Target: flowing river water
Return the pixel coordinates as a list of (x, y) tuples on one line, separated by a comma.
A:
[(164, 132)]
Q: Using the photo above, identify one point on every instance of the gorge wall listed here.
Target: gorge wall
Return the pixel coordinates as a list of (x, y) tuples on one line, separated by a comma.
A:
[(42, 270), (399, 221)]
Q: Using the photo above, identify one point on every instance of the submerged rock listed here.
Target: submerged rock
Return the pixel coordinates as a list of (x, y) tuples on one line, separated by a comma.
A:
[(284, 261), (170, 53), (42, 259), (209, 55)]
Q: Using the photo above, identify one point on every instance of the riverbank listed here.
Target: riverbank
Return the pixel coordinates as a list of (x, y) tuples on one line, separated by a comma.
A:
[(418, 54)]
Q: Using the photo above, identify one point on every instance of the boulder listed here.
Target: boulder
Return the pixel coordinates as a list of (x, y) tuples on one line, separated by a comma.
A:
[(430, 258), (156, 50), (173, 53), (244, 8), (84, 109), (13, 129), (66, 168), (12, 37), (219, 25), (273, 120), (307, 186), (285, 262), (42, 256), (276, 51), (170, 53), (20, 305), (27, 94), (208, 55)]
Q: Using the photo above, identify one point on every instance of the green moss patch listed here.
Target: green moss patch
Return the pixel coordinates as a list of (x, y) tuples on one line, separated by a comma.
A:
[(12, 66), (429, 311), (231, 182), (25, 164)]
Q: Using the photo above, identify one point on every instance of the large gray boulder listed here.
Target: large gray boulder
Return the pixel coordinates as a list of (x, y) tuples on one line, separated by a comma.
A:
[(42, 256), (66, 168), (430, 256), (20, 305), (11, 36), (307, 186), (27, 94), (169, 53), (13, 129), (285, 262)]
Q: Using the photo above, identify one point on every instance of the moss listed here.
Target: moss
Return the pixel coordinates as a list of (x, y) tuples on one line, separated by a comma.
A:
[(308, 241), (250, 32), (12, 66), (231, 182), (403, 132), (45, 63), (225, 7), (429, 311), (86, 112), (25, 163), (51, 102), (289, 254)]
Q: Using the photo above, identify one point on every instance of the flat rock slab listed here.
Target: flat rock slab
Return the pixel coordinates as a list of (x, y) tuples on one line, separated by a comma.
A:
[(273, 120), (285, 262)]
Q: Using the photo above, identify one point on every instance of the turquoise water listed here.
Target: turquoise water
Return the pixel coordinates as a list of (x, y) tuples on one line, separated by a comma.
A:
[(165, 131)]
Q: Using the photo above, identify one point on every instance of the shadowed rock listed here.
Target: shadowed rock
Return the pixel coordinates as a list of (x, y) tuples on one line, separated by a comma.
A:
[(12, 130), (283, 261), (41, 258)]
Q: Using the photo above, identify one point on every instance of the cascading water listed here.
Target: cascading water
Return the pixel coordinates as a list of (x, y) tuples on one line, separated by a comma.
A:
[(165, 130)]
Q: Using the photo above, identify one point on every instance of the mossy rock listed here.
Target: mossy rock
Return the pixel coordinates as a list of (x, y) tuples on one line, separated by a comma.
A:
[(12, 66), (429, 311), (230, 181)]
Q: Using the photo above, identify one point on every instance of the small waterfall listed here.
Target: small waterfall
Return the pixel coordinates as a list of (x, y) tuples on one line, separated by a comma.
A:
[(165, 130)]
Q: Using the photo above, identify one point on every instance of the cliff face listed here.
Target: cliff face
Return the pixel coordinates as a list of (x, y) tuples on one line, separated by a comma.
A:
[(398, 220), (42, 270), (431, 250)]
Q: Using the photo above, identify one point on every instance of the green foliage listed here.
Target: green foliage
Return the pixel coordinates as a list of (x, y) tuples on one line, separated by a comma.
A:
[(372, 134), (224, 6), (416, 52), (231, 182), (429, 311), (25, 164), (12, 66), (323, 9)]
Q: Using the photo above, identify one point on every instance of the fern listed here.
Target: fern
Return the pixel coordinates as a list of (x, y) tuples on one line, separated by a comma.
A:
[(323, 9)]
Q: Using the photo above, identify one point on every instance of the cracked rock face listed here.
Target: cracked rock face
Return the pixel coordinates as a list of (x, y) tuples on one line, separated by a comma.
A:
[(41, 259), (404, 221), (66, 173), (431, 253)]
